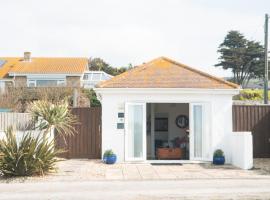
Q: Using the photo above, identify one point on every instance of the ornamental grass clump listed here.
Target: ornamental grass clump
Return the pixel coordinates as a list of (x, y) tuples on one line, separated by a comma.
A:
[(53, 116), (36, 154), (30, 156)]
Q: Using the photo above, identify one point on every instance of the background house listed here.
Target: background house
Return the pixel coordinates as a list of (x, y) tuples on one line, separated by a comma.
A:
[(92, 78), (48, 72)]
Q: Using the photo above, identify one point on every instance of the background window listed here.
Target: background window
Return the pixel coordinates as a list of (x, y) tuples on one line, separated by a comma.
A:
[(45, 83), (96, 77)]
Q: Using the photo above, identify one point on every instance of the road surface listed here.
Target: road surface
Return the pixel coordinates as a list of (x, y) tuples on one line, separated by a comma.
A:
[(139, 190)]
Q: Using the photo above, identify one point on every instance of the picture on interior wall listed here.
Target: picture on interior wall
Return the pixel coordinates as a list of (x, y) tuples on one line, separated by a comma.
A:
[(181, 121), (161, 124)]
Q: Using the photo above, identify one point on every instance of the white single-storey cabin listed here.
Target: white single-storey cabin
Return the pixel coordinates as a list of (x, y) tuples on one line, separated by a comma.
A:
[(164, 110)]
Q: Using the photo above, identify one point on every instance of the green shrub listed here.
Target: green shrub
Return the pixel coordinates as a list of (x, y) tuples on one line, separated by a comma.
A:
[(108, 153), (218, 153), (249, 94), (91, 95), (30, 156)]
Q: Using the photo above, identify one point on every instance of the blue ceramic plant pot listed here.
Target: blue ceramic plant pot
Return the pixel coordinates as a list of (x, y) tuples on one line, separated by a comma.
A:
[(219, 160), (110, 159)]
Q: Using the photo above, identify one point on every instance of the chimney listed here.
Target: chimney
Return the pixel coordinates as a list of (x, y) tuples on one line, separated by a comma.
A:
[(27, 56)]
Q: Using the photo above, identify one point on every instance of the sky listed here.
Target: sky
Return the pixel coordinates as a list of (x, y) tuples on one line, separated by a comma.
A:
[(128, 31)]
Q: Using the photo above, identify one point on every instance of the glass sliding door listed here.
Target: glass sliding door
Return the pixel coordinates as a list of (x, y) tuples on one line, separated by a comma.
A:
[(135, 131), (197, 131)]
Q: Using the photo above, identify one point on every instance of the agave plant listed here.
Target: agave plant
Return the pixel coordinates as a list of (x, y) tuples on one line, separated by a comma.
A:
[(30, 156), (57, 116)]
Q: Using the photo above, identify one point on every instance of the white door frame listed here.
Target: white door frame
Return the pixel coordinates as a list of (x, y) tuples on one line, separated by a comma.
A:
[(143, 158)]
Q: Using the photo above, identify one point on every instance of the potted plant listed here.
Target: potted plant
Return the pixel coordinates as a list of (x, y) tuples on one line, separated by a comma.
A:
[(218, 158), (109, 157)]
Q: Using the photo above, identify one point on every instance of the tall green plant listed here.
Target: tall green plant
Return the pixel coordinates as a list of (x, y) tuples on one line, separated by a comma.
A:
[(57, 116), (30, 156)]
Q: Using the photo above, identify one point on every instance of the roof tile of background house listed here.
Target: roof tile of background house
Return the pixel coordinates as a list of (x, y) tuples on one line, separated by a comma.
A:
[(8, 64), (43, 66), (166, 73)]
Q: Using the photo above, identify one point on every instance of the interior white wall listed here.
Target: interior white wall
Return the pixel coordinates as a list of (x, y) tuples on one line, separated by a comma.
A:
[(220, 122), (171, 110)]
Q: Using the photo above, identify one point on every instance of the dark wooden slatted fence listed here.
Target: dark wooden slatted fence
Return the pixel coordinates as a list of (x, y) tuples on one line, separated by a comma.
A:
[(86, 143), (254, 118)]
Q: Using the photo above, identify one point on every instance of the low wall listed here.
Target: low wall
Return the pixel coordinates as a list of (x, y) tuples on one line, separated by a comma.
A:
[(19, 134), (242, 150)]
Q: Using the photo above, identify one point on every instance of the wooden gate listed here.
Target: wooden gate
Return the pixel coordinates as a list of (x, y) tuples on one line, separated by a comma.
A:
[(254, 118), (86, 143)]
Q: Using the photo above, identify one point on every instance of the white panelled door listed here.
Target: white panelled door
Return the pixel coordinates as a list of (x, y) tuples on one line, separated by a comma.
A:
[(197, 131), (135, 131)]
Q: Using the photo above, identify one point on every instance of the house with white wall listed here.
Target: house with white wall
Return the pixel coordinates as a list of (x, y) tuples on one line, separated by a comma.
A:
[(165, 110)]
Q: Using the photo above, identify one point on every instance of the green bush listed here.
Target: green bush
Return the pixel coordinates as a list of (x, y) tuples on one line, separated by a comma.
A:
[(218, 153), (108, 153), (249, 94), (91, 95), (30, 156)]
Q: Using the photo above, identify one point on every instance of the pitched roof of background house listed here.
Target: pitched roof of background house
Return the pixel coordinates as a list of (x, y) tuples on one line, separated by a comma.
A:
[(7, 64), (166, 73), (43, 66)]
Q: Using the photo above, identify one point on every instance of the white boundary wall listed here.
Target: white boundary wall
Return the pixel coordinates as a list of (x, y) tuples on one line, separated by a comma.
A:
[(19, 134), (17, 120), (242, 150)]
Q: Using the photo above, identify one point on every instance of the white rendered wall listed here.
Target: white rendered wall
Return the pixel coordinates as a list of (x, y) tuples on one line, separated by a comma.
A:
[(242, 149), (19, 134), (219, 122)]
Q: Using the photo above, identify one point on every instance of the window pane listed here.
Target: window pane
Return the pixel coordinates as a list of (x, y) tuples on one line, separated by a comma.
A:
[(105, 77), (96, 77), (197, 112), (61, 83), (2, 62), (85, 77), (45, 83), (31, 83), (135, 131)]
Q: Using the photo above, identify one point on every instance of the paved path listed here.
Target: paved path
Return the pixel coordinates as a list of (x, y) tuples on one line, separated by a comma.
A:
[(95, 170), (90, 170), (139, 190)]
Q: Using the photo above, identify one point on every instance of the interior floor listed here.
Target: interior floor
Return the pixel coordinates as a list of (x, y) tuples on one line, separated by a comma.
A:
[(167, 131)]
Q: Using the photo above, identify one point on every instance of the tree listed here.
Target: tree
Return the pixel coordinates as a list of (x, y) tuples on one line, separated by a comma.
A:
[(98, 64), (244, 57), (92, 96)]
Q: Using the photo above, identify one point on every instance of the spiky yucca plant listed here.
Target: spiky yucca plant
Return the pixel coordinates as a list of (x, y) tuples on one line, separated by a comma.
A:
[(57, 116), (30, 156)]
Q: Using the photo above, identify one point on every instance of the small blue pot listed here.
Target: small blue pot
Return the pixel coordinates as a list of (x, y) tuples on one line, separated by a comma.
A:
[(219, 160), (110, 159)]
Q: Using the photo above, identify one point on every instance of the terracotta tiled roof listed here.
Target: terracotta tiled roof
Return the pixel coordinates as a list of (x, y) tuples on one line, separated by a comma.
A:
[(166, 73), (9, 63), (43, 66)]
